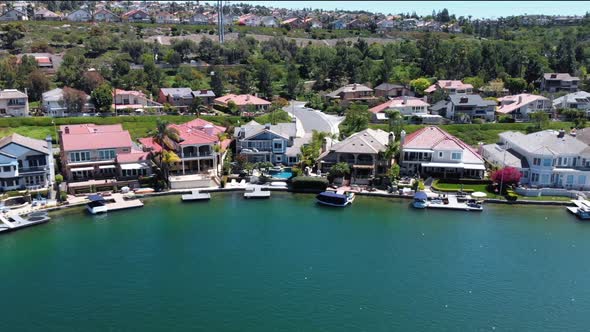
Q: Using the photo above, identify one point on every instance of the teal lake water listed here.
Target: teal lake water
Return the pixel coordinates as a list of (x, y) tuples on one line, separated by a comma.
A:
[(286, 264)]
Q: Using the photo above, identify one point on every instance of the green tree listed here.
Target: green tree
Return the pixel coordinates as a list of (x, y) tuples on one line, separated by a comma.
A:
[(515, 85), (393, 173), (339, 170), (37, 83), (264, 80), (102, 97), (420, 84), (395, 121), (357, 119), (540, 120), (292, 81), (245, 82), (217, 83), (165, 136)]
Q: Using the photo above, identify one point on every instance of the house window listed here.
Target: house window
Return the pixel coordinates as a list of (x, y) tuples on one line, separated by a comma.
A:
[(545, 178), (582, 179), (563, 161), (547, 162), (569, 179), (279, 158), (456, 156), (106, 154), (79, 156), (440, 154), (534, 177), (7, 168), (536, 161), (278, 145)]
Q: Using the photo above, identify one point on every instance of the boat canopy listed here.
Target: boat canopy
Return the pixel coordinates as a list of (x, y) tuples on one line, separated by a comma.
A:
[(421, 195), (95, 198), (332, 194)]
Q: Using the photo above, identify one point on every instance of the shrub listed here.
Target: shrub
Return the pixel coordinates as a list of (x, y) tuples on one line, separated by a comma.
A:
[(223, 182), (63, 196), (511, 196), (507, 175), (296, 171), (309, 184)]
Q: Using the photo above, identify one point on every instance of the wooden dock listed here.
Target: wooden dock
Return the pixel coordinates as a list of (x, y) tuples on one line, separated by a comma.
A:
[(119, 203), (454, 204), (18, 222)]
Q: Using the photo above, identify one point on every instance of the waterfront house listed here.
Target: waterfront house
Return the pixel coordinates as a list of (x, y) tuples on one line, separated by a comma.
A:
[(25, 163), (555, 82), (546, 158), (464, 108), (245, 103), (201, 149), (267, 143), (520, 106), (450, 87), (53, 104), (135, 101), (43, 14), (14, 15), (13, 103), (136, 16), (389, 90), (407, 106), (80, 15), (100, 157), (432, 151), (352, 93), (577, 100), (363, 151), (104, 15)]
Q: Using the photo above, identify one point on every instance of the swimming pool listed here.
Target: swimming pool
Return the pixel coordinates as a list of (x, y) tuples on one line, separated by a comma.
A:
[(285, 173)]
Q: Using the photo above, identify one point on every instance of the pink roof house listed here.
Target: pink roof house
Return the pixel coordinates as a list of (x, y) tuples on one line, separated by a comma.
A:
[(244, 102), (132, 100), (521, 105), (100, 156), (451, 87), (406, 105), (434, 152), (196, 147)]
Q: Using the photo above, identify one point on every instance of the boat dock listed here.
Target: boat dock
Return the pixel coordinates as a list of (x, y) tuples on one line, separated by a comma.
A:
[(196, 195), (581, 208), (117, 202), (19, 222), (453, 204), (256, 192)]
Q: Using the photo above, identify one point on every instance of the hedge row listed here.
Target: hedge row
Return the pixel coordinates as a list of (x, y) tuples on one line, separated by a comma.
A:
[(309, 184)]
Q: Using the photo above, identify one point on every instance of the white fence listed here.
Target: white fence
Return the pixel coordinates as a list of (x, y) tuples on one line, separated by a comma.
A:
[(548, 192)]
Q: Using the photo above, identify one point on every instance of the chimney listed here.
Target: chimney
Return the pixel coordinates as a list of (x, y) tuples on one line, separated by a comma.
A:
[(561, 133), (267, 126), (463, 100), (553, 75), (402, 137), (391, 137), (520, 99), (67, 130), (354, 86), (208, 129), (405, 100)]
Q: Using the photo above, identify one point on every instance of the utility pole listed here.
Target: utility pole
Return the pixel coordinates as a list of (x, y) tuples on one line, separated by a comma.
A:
[(220, 24)]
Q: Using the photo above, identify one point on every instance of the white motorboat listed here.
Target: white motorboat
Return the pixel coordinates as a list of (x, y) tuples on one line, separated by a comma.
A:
[(581, 210), (330, 198), (420, 200)]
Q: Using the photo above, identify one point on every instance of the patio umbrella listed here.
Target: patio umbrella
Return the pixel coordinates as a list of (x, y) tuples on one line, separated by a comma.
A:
[(479, 194)]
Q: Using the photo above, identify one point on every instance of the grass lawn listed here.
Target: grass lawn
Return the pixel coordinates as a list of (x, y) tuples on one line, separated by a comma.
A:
[(475, 133), (483, 188), (138, 126)]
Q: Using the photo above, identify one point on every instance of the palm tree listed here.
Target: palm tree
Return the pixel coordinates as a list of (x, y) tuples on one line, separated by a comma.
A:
[(395, 121), (167, 158), (164, 136), (391, 152)]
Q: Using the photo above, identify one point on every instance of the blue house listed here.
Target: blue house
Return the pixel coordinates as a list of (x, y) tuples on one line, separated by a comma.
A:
[(339, 25), (268, 143)]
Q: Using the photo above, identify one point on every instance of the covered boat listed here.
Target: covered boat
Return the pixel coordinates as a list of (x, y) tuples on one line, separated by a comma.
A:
[(97, 204), (420, 200), (335, 199)]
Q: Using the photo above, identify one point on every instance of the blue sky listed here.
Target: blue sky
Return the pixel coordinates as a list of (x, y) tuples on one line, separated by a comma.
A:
[(477, 9)]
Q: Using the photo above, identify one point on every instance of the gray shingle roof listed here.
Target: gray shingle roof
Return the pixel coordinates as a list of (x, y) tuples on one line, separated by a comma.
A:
[(31, 143), (471, 100), (546, 142)]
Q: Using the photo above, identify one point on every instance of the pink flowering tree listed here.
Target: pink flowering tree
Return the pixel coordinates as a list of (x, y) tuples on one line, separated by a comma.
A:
[(507, 175)]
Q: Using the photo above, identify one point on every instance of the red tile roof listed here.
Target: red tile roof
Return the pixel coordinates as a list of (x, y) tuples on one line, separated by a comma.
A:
[(149, 143), (242, 100), (433, 137), (133, 157), (92, 137)]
